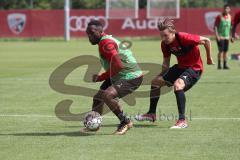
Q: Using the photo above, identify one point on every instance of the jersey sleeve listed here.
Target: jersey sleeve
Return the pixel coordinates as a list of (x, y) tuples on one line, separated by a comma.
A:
[(109, 50), (236, 19), (217, 21), (165, 51), (189, 39), (235, 22)]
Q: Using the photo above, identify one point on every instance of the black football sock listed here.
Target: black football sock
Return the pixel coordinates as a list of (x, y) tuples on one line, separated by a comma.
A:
[(154, 97), (123, 118), (181, 100), (115, 107), (219, 64), (225, 64)]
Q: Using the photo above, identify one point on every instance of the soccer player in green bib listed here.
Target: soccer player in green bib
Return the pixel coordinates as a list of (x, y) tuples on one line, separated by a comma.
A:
[(222, 29), (121, 77)]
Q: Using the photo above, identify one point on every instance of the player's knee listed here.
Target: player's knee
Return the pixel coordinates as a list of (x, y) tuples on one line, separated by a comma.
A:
[(107, 96), (157, 82), (98, 96), (153, 82), (179, 85)]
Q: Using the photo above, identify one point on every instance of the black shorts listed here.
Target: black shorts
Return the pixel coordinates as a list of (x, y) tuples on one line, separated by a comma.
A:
[(189, 76), (123, 87), (223, 45)]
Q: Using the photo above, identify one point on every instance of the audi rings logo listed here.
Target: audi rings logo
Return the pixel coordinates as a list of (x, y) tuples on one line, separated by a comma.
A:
[(79, 23)]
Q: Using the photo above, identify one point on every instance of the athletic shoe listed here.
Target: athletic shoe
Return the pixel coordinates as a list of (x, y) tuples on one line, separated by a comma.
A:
[(146, 117), (180, 124), (123, 127), (226, 67)]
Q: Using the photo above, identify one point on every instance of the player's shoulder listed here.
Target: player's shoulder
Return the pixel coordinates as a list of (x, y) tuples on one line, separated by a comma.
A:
[(183, 35), (218, 17), (107, 42), (236, 18), (238, 14), (186, 38), (107, 45)]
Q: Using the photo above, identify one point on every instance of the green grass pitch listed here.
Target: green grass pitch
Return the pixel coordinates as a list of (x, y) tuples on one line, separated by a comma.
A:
[(29, 129)]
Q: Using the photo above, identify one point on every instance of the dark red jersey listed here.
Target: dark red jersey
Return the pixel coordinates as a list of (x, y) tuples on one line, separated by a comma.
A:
[(108, 49), (236, 18), (185, 48)]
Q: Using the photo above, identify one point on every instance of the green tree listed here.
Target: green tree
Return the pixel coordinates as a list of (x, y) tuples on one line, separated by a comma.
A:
[(57, 4), (87, 4), (95, 4), (142, 3), (13, 4), (41, 4)]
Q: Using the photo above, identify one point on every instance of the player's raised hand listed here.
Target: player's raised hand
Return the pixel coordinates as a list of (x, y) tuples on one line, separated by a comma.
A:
[(210, 61), (94, 78)]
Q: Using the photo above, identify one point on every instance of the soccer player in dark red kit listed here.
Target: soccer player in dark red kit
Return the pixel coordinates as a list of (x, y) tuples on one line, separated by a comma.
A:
[(181, 76), (235, 22), (121, 77)]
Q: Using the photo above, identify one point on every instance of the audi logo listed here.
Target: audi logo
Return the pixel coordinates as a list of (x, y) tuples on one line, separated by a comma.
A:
[(79, 23)]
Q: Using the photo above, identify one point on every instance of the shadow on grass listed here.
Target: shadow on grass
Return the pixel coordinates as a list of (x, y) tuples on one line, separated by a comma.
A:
[(146, 125), (77, 133), (46, 134), (115, 125)]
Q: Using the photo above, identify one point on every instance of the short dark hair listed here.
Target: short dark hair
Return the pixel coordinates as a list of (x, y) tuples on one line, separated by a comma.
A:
[(166, 24), (95, 23), (226, 5)]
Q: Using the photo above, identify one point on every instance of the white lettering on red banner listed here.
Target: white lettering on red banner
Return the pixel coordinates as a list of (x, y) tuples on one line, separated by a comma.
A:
[(139, 24), (79, 23)]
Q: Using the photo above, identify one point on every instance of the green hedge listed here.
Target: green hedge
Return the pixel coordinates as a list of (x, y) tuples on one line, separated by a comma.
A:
[(93, 4)]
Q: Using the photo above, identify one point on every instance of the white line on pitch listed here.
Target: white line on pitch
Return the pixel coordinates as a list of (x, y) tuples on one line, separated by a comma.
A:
[(216, 118), (109, 117), (27, 115)]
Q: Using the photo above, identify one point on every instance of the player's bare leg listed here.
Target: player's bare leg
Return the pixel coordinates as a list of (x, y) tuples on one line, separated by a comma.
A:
[(109, 96), (179, 86), (98, 102), (156, 84), (97, 106)]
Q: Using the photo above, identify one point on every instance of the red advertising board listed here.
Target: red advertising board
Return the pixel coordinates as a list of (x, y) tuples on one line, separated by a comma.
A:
[(50, 23)]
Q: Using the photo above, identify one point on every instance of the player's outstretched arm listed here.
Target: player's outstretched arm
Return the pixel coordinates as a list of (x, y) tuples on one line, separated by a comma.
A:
[(233, 30), (207, 45)]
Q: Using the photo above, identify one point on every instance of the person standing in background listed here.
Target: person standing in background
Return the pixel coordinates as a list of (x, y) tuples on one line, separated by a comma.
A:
[(222, 28)]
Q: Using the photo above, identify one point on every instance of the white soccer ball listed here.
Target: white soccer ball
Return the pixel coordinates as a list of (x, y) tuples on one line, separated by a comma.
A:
[(92, 120)]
